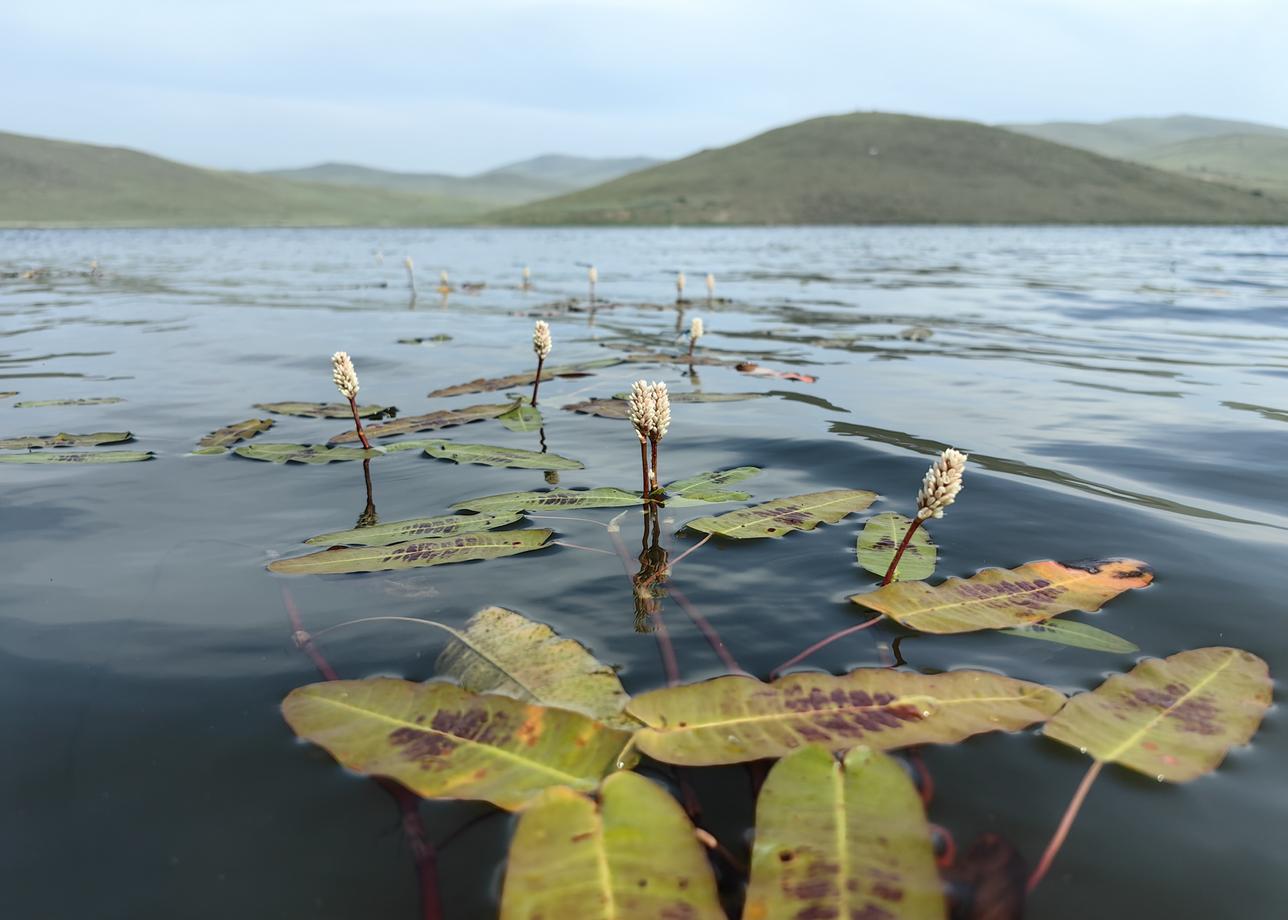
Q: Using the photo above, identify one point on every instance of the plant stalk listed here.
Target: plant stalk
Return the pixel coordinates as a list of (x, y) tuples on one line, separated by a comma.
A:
[(894, 563), (644, 469), (357, 424), (1061, 832), (536, 382), (796, 659), (653, 467)]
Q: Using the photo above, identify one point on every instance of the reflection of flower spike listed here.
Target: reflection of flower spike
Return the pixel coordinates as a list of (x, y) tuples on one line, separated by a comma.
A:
[(345, 377), (679, 284), (942, 483), (541, 342)]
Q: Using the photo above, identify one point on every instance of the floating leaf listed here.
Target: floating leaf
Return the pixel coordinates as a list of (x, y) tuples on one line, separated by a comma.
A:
[(62, 439), (444, 418), (303, 453), (237, 431), (1078, 635), (442, 741), (783, 515), (880, 540), (998, 598), (522, 379), (634, 855), (523, 417), (702, 397), (404, 531), (7, 393), (842, 840), (436, 339), (707, 487), (102, 456), (1170, 718), (327, 410), (89, 401), (735, 718), (555, 498), (501, 651), (755, 370), (488, 455), (461, 547), (604, 408)]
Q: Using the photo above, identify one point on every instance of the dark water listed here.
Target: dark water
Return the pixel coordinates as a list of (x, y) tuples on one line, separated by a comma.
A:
[(1121, 392)]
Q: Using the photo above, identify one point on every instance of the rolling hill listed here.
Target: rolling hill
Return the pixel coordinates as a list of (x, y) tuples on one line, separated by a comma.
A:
[(1255, 161), (47, 182), (885, 168), (516, 183), (1131, 138)]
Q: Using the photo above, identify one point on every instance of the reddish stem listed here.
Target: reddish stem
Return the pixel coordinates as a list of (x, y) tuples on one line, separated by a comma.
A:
[(822, 642), (680, 558), (707, 630), (653, 468), (536, 382), (1061, 832), (644, 468), (925, 782), (948, 855), (894, 563), (357, 423)]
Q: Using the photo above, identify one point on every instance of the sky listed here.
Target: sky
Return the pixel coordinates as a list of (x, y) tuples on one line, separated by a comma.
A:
[(461, 86)]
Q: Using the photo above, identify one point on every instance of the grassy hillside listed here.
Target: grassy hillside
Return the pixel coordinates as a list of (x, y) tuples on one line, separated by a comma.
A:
[(516, 183), (1258, 161), (46, 182), (881, 168), (1132, 138)]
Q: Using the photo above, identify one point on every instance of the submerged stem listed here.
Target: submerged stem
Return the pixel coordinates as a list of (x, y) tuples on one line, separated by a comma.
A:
[(894, 563), (1061, 832), (357, 424), (823, 642)]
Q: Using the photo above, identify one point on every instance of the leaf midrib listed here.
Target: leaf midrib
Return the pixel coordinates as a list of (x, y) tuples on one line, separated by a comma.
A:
[(366, 553), (1038, 617)]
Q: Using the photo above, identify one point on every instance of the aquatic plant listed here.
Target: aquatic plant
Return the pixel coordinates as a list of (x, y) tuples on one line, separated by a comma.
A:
[(938, 490), (695, 332), (650, 412), (711, 287), (411, 274), (527, 278), (346, 381), (541, 344), (592, 276), (679, 287)]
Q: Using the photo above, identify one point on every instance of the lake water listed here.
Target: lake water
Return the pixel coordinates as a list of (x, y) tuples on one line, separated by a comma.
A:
[(1122, 392)]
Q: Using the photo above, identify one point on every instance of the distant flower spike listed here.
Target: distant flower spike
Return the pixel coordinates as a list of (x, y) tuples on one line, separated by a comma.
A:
[(695, 332), (541, 344), (679, 285), (942, 483), (711, 284)]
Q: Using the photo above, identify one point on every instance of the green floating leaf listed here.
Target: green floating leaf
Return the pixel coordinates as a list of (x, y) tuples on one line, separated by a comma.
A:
[(780, 516), (734, 719), (880, 539), (555, 498), (1172, 718), (604, 408), (62, 439), (1078, 635), (634, 855), (437, 339), (522, 417), (303, 453), (509, 457), (999, 598), (102, 456), (237, 431), (842, 840), (444, 418), (326, 410), (708, 487), (501, 651), (415, 528), (88, 401), (461, 547), (523, 379), (442, 741)]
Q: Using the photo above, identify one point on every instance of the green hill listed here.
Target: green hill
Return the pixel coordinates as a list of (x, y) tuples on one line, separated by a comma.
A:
[(47, 182), (1258, 161), (882, 168), (1131, 138)]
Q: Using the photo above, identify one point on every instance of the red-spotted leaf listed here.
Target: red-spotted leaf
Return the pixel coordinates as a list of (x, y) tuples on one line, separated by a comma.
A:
[(460, 547), (416, 529), (216, 441), (444, 418), (781, 516)]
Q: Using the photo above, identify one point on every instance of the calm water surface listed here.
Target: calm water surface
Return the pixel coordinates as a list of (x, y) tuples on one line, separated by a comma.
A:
[(1121, 392)]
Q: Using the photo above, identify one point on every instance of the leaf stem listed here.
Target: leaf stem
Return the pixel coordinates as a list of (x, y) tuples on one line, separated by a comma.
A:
[(644, 468), (796, 659), (1061, 832), (357, 424), (894, 563), (680, 558), (536, 381), (705, 627)]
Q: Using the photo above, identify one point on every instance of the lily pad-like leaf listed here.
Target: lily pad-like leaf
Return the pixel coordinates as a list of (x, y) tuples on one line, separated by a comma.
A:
[(736, 718), (523, 379), (842, 840), (634, 855), (709, 487), (461, 547), (1171, 718), (523, 417), (1000, 598), (509, 457), (501, 651), (780, 516), (553, 499), (442, 741), (617, 406), (444, 418), (303, 453), (1078, 635), (416, 528), (62, 439), (880, 539), (7, 393), (237, 431), (604, 408), (326, 410), (102, 456), (88, 401)]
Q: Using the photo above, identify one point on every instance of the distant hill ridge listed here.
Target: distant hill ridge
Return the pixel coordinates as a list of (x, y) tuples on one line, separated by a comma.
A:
[(887, 168)]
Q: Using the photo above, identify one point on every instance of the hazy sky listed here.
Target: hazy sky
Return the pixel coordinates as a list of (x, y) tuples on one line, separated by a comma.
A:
[(463, 85)]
